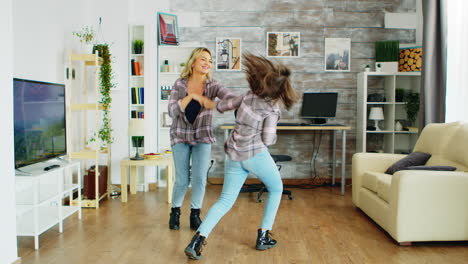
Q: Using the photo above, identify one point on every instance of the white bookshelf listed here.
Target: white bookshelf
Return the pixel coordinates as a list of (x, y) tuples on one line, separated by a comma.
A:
[(388, 140)]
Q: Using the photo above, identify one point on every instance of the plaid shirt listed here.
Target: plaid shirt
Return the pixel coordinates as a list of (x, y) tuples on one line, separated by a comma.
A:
[(255, 127), (201, 131)]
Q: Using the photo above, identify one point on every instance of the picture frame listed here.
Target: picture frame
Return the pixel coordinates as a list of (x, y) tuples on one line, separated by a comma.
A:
[(337, 54), (410, 59), (283, 44), (228, 54), (167, 120), (168, 29)]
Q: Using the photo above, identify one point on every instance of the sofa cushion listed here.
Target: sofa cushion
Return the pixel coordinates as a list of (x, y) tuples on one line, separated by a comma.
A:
[(413, 159), (384, 181), (433, 168), (378, 183)]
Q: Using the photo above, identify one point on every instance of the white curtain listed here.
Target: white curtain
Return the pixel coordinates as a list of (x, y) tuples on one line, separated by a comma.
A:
[(457, 61)]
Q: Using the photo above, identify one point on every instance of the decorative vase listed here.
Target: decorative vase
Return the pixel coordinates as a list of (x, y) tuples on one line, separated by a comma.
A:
[(398, 126)]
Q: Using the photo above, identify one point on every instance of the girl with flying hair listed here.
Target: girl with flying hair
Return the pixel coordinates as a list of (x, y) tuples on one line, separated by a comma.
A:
[(255, 129)]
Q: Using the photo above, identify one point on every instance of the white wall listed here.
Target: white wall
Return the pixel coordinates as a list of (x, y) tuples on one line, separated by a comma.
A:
[(7, 187)]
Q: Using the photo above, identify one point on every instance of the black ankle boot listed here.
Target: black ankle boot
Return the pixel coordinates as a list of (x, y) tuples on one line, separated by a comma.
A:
[(195, 220), (194, 249), (264, 240), (174, 218)]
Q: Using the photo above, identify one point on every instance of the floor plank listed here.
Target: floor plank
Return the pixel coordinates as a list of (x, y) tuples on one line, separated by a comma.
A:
[(318, 226)]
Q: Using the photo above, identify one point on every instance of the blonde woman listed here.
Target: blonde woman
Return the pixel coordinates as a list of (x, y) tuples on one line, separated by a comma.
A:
[(191, 107)]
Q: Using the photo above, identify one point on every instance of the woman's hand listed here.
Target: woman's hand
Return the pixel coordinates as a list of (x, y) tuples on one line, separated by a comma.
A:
[(204, 101)]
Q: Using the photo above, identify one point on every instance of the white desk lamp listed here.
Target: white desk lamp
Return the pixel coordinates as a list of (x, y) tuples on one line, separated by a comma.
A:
[(376, 114), (136, 130)]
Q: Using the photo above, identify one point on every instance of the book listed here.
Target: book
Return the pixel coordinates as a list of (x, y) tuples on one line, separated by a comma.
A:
[(141, 94), (137, 68), (132, 65)]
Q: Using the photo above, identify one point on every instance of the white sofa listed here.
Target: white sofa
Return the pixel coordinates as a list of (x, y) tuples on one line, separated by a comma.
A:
[(417, 205)]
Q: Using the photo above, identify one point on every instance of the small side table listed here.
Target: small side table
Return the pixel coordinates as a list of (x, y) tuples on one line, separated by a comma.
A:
[(164, 160)]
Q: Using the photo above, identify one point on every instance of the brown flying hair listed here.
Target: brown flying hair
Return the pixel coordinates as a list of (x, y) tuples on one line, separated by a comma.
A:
[(269, 80)]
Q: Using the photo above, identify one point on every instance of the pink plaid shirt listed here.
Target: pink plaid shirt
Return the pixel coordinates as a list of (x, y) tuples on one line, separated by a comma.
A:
[(255, 127), (201, 131)]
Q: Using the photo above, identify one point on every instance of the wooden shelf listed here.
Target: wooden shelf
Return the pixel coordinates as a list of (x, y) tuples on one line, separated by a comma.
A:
[(77, 107)]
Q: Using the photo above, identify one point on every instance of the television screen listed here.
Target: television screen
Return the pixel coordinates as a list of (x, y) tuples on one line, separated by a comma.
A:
[(39, 121), (319, 105)]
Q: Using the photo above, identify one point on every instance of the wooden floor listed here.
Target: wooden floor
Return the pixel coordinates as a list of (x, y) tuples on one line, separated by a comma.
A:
[(318, 226)]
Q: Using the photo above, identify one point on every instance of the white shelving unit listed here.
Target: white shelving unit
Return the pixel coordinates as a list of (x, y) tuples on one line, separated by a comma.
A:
[(137, 106), (40, 197), (175, 55), (387, 140), (84, 113)]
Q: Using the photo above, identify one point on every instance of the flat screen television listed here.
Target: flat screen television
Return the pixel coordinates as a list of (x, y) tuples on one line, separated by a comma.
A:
[(39, 121), (318, 107)]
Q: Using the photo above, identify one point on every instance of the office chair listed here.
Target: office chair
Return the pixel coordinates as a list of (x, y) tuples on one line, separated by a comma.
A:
[(261, 188)]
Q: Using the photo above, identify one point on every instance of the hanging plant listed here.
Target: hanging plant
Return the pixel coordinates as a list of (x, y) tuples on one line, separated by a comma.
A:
[(105, 133)]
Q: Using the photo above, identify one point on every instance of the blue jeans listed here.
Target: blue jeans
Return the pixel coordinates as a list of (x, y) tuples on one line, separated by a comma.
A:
[(200, 154), (235, 174)]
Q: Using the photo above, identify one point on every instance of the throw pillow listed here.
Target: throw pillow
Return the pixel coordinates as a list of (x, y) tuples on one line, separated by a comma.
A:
[(434, 168), (413, 159)]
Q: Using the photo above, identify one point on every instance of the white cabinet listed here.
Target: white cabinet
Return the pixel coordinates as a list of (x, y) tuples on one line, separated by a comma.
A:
[(40, 197), (383, 86)]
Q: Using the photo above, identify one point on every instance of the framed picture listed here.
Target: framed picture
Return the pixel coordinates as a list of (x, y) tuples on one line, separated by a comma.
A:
[(228, 54), (168, 29), (337, 54), (283, 44), (167, 120)]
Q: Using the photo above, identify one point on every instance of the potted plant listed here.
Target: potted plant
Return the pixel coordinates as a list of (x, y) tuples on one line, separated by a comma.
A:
[(411, 106), (378, 67), (387, 54), (138, 46), (367, 68), (399, 94), (105, 133), (85, 36)]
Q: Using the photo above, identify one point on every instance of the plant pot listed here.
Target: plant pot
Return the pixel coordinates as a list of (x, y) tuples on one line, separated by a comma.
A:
[(388, 66), (138, 50)]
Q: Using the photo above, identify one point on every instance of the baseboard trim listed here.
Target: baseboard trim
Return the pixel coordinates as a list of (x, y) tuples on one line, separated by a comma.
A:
[(326, 180), (17, 261)]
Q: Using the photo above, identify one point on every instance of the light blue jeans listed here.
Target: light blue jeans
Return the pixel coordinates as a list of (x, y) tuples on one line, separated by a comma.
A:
[(235, 174), (200, 155)]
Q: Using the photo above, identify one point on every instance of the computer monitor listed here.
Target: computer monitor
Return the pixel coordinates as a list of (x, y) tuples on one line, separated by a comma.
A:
[(318, 107)]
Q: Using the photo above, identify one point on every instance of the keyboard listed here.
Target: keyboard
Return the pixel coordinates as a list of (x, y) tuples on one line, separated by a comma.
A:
[(304, 124), (291, 124)]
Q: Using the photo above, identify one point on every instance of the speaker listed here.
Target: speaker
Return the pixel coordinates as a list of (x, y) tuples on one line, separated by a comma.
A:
[(89, 187)]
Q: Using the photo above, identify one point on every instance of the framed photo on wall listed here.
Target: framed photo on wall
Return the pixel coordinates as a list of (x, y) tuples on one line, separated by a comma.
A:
[(228, 54), (338, 54), (167, 120), (283, 44), (168, 29)]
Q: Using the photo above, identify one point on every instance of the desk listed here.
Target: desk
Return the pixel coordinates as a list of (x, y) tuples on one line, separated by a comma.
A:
[(335, 129), (164, 160)]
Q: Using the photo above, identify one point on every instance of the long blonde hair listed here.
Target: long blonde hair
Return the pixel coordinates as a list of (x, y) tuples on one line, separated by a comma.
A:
[(187, 71)]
